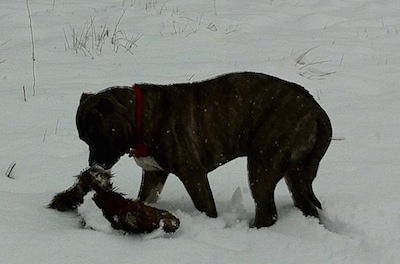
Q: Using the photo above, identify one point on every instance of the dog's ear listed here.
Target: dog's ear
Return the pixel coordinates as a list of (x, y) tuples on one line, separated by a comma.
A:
[(105, 106), (85, 96)]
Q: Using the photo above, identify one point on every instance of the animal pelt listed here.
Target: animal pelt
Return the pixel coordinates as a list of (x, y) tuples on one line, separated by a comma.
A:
[(131, 216)]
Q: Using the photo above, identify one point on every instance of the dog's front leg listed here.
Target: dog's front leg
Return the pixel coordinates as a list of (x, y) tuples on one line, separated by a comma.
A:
[(199, 190), (152, 185)]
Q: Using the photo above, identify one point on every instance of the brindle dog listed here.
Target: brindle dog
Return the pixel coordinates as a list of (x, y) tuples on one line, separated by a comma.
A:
[(190, 129)]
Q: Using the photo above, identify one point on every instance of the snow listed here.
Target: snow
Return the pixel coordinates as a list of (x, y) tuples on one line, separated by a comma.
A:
[(344, 52), (92, 216)]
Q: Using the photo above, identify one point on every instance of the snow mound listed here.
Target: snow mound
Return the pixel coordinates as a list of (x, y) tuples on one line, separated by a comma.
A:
[(92, 216)]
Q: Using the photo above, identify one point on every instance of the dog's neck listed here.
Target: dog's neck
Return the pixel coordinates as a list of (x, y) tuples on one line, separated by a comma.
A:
[(139, 150)]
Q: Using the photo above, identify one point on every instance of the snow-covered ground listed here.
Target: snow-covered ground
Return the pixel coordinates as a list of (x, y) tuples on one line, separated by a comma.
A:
[(346, 53)]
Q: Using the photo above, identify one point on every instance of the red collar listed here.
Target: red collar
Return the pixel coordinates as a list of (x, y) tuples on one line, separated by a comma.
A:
[(140, 150)]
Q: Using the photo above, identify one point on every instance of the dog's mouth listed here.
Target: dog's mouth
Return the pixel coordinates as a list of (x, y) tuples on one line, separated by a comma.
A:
[(104, 157)]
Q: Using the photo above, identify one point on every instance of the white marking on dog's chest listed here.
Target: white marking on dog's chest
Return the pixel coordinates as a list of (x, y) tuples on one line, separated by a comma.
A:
[(148, 163)]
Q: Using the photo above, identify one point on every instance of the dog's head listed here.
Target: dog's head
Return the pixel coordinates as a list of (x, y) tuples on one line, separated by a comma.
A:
[(105, 124)]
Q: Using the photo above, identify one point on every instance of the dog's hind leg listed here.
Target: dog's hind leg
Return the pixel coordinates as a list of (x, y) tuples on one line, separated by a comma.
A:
[(301, 175), (299, 181), (263, 178), (152, 185)]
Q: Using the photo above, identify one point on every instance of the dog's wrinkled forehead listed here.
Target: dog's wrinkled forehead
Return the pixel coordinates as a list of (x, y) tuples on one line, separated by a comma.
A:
[(108, 89), (94, 98)]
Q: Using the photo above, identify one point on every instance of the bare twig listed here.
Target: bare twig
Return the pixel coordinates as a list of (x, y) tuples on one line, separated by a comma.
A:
[(56, 130), (116, 26), (212, 27), (33, 48), (338, 138), (306, 67), (24, 92), (44, 135), (4, 43), (90, 40), (314, 62), (300, 59), (341, 60), (67, 46), (232, 28), (315, 74), (2, 61), (10, 169), (163, 7)]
